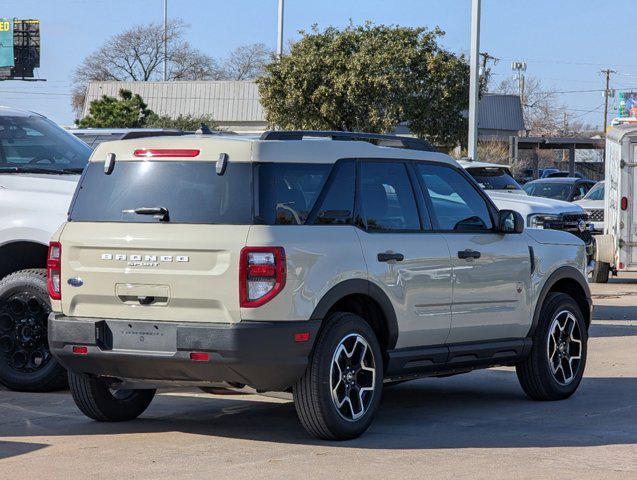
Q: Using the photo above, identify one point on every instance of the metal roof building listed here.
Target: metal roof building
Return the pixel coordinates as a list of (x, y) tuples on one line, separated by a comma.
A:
[(235, 105), (500, 116)]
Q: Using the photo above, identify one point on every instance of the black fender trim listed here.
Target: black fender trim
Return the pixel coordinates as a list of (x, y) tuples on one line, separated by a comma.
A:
[(564, 272), (361, 287)]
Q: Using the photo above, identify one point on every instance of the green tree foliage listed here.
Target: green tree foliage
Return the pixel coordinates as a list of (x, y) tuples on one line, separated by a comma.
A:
[(369, 78), (181, 122), (127, 111)]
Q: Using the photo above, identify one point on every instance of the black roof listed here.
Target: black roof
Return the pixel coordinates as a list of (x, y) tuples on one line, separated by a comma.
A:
[(559, 180)]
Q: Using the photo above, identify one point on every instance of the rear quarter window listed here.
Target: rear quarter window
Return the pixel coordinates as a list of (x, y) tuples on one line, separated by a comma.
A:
[(287, 192)]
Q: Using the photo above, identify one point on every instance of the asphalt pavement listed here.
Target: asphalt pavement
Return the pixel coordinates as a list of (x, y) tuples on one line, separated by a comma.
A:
[(474, 426)]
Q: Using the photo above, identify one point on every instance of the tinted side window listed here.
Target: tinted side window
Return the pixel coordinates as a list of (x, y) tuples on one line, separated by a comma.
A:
[(287, 191), (387, 199), (456, 203), (337, 207), (33, 141)]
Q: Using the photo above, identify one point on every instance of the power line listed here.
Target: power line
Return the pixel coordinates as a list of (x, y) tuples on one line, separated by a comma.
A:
[(37, 93), (568, 62), (589, 111)]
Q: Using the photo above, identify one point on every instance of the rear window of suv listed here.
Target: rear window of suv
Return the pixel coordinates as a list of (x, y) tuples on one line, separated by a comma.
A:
[(192, 192), (494, 178)]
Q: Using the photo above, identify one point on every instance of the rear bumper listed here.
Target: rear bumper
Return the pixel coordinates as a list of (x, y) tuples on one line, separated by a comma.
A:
[(263, 355)]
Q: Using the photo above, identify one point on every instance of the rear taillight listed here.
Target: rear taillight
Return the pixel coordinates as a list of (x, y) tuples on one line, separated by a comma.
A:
[(624, 203), (53, 270), (261, 275)]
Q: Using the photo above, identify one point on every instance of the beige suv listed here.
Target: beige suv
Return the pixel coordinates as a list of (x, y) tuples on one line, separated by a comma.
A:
[(321, 263)]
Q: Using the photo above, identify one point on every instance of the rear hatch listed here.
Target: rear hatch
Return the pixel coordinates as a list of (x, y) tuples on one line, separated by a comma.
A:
[(157, 240)]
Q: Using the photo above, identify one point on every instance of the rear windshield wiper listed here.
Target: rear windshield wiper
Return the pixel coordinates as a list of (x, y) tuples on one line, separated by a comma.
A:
[(161, 213)]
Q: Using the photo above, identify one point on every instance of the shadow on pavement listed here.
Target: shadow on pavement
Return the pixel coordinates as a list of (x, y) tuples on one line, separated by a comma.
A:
[(612, 313), (484, 409), (597, 330), (13, 449)]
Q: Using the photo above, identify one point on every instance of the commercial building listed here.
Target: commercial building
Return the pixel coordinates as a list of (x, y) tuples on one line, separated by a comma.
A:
[(235, 105)]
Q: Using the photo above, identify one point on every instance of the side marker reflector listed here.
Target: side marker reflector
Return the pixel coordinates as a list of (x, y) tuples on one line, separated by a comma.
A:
[(301, 337), (199, 356), (80, 350)]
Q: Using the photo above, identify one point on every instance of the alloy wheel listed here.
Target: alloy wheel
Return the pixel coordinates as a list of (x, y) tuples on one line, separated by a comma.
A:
[(352, 377), (564, 347)]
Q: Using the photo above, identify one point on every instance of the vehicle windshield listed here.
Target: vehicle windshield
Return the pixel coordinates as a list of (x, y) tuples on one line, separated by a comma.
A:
[(558, 191), (595, 193), (494, 178), (34, 144)]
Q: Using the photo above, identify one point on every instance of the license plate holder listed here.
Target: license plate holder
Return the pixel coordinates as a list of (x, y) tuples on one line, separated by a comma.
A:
[(143, 336)]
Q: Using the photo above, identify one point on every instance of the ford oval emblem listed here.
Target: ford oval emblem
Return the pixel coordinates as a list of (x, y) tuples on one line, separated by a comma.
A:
[(75, 281)]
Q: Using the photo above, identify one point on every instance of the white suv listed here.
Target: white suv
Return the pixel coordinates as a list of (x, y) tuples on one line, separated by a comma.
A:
[(539, 212), (322, 266), (40, 165)]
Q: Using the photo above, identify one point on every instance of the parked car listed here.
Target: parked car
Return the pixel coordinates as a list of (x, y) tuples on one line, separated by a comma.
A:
[(321, 267), (567, 189), (593, 203), (94, 136), (492, 176), (538, 212), (562, 174), (40, 164), (547, 172)]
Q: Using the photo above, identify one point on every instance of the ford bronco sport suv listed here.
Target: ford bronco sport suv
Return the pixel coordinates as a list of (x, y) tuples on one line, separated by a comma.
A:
[(322, 266)]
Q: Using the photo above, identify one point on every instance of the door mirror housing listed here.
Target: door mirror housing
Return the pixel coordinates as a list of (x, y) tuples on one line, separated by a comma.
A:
[(510, 221)]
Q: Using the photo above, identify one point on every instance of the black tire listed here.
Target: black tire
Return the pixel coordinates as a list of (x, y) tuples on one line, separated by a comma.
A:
[(601, 272), (93, 397), (535, 373), (24, 308), (317, 411)]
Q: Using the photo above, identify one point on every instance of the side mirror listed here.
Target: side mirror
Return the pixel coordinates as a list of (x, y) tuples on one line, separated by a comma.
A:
[(510, 221), (578, 197)]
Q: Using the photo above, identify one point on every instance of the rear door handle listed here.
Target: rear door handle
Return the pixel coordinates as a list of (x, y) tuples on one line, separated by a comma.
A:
[(387, 257), (468, 253)]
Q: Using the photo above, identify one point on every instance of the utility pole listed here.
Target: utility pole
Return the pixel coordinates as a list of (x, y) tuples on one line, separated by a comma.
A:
[(483, 69), (607, 72), (474, 80), (165, 40), (279, 45), (565, 134)]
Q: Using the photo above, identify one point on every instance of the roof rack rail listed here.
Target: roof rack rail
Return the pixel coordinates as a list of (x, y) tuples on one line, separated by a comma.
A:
[(395, 141)]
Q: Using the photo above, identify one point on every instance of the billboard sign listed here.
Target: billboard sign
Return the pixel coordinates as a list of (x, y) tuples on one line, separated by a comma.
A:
[(627, 104), (6, 43)]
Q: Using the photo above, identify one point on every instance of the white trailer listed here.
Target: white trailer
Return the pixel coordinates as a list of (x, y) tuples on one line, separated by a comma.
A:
[(617, 247)]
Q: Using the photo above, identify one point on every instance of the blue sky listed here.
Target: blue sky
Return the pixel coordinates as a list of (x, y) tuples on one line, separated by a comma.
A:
[(565, 43)]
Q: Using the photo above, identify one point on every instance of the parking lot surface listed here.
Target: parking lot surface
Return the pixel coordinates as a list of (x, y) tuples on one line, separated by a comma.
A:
[(478, 425)]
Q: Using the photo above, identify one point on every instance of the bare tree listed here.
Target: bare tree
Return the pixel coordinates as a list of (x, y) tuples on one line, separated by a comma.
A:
[(540, 108), (137, 55), (247, 62)]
